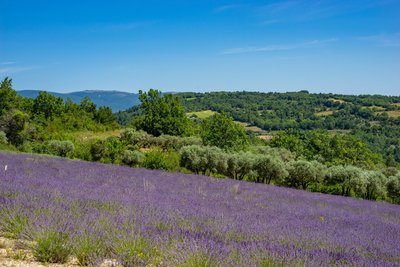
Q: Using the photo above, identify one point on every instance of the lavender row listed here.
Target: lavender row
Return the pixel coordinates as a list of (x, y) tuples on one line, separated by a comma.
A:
[(140, 217)]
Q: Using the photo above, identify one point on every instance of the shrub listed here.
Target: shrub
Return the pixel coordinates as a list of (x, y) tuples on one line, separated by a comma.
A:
[(132, 158), (98, 150), (157, 159), (13, 224), (136, 138), (87, 249), (52, 247), (60, 148), (135, 251), (3, 138)]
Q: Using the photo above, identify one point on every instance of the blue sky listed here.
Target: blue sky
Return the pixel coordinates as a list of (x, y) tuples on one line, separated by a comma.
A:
[(350, 47)]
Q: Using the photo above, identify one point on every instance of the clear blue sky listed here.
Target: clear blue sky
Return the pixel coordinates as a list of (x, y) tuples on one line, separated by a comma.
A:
[(349, 46)]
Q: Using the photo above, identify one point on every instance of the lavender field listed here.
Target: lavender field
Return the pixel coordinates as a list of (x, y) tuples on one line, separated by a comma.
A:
[(139, 217)]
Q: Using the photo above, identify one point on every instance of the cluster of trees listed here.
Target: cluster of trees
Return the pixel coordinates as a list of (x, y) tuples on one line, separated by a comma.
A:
[(163, 137), (365, 115), (25, 121), (274, 166), (328, 148)]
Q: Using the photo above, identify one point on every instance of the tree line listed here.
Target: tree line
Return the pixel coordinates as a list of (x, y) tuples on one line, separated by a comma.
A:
[(161, 136)]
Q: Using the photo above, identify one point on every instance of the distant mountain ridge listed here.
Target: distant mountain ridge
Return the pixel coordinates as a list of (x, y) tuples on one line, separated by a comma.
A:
[(116, 100)]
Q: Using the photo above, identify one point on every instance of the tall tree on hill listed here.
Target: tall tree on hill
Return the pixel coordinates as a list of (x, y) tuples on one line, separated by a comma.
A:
[(8, 96), (162, 114), (221, 131)]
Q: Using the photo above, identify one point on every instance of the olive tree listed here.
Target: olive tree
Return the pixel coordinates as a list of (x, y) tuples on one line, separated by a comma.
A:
[(269, 168), (348, 177), (303, 173), (60, 148), (240, 164), (132, 158), (393, 188), (206, 160), (375, 184)]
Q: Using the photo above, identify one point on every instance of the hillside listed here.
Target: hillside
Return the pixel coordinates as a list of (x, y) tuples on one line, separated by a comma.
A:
[(141, 217), (116, 100), (375, 119)]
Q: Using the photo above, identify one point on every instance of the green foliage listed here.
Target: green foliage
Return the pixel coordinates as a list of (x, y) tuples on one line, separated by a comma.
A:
[(104, 116), (347, 177), (52, 247), (303, 173), (240, 164), (221, 131), (8, 97), (61, 148), (393, 188), (269, 168), (135, 251), (332, 149), (3, 138), (132, 158), (162, 114), (12, 123), (205, 160), (13, 224), (98, 150), (375, 185), (87, 248), (47, 105), (157, 159), (136, 138)]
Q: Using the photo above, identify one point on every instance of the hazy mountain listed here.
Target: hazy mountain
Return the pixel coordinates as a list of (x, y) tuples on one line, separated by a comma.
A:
[(114, 99)]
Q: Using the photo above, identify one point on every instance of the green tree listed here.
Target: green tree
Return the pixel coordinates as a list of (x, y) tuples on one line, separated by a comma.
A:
[(132, 158), (348, 177), (12, 124), (162, 114), (47, 105), (221, 131), (269, 168), (8, 96), (87, 105), (375, 185), (303, 173), (61, 148), (104, 116), (393, 188)]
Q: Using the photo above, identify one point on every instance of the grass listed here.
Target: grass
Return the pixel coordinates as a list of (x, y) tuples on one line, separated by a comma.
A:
[(396, 104), (391, 113), (89, 135), (52, 247), (204, 114), (252, 128), (375, 108), (336, 100), (324, 113)]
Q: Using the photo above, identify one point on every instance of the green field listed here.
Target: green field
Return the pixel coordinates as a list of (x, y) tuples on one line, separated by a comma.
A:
[(204, 114)]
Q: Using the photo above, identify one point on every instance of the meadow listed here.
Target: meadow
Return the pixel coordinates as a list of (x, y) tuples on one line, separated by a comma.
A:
[(135, 217)]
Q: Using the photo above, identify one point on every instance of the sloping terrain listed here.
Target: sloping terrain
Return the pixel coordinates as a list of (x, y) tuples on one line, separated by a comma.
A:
[(140, 217)]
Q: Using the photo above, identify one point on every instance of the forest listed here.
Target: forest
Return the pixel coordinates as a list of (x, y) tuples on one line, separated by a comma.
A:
[(335, 144)]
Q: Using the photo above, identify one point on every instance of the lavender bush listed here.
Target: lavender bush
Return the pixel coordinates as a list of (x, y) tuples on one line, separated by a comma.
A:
[(139, 217)]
